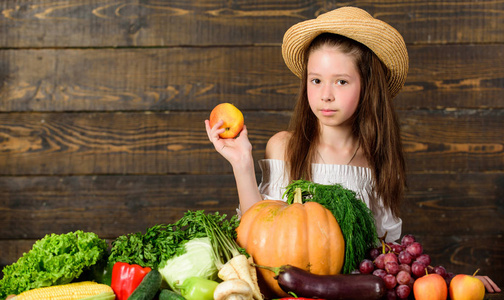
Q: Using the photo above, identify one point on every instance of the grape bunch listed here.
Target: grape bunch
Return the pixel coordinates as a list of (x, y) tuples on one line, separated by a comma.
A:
[(399, 265)]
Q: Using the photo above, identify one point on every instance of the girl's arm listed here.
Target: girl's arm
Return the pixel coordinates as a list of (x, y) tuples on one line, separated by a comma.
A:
[(238, 152)]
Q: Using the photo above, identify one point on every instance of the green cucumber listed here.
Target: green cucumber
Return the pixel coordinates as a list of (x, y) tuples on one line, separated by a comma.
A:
[(148, 288), (170, 295)]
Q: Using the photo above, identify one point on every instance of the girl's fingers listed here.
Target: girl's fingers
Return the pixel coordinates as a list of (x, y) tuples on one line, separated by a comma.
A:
[(244, 130), (490, 286), (213, 132)]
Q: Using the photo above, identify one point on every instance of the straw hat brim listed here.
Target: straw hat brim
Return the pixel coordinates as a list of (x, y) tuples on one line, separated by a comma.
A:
[(352, 22)]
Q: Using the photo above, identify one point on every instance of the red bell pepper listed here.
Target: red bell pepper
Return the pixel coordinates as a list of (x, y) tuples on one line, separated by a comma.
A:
[(126, 278)]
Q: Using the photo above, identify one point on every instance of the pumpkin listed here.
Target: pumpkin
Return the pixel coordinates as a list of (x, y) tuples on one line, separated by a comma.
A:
[(276, 233)]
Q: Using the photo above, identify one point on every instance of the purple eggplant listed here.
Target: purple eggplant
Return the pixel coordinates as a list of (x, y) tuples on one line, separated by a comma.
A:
[(334, 287)]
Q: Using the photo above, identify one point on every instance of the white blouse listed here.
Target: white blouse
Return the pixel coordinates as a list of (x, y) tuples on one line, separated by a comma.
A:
[(358, 179)]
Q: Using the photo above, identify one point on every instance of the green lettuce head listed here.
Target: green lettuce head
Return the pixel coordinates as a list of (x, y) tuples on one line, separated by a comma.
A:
[(53, 260)]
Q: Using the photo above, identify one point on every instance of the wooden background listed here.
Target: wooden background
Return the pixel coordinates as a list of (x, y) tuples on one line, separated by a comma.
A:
[(102, 106)]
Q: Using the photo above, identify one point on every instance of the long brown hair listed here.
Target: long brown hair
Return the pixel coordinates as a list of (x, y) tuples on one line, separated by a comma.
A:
[(375, 125)]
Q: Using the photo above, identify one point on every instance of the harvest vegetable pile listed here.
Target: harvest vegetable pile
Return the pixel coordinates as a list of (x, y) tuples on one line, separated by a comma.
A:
[(273, 251)]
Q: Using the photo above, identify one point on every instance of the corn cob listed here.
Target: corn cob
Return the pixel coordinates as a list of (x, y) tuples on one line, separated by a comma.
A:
[(72, 291)]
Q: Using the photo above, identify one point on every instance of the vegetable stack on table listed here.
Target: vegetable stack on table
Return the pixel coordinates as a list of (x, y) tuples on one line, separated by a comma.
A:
[(210, 256)]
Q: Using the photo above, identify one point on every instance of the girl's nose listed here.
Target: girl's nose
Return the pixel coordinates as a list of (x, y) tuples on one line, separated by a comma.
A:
[(327, 95)]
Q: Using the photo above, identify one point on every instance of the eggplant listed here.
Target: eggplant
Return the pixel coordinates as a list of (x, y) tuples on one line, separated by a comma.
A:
[(334, 287)]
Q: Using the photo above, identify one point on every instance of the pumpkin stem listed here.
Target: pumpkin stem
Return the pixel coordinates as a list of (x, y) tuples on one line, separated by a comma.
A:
[(298, 196), (272, 269)]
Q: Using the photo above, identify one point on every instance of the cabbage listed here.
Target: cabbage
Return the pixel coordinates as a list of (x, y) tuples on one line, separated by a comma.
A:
[(198, 260)]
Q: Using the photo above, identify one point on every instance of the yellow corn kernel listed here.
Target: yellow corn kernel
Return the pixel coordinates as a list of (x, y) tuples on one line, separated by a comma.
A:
[(71, 291)]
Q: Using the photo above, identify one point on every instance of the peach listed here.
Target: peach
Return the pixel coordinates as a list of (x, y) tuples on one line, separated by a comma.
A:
[(430, 287), (467, 287), (232, 117)]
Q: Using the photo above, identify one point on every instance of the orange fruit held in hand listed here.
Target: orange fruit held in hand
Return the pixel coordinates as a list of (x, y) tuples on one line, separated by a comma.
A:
[(232, 117)]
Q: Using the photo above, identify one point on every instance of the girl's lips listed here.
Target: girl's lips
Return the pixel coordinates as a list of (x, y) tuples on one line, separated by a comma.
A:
[(328, 112)]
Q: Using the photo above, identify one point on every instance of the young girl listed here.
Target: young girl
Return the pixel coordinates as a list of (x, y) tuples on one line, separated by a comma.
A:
[(343, 129)]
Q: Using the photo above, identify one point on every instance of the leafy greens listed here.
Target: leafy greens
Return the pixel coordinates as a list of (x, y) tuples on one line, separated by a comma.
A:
[(54, 259), (164, 241)]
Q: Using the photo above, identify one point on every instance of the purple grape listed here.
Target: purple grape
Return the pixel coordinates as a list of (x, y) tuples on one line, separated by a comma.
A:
[(391, 295), (379, 261), (396, 248), (449, 278), (403, 291), (418, 269), (411, 282), (407, 240), (373, 253), (415, 249), (424, 259), (390, 257), (441, 271), (403, 277), (366, 266), (392, 267), (405, 267), (390, 281), (404, 257), (380, 273)]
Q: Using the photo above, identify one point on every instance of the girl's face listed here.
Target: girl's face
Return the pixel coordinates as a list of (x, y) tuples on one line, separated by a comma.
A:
[(333, 86)]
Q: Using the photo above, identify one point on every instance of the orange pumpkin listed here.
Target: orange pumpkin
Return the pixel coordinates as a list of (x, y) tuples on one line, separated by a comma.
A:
[(276, 233)]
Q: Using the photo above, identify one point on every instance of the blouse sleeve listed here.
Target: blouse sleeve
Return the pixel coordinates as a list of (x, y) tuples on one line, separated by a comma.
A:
[(386, 222)]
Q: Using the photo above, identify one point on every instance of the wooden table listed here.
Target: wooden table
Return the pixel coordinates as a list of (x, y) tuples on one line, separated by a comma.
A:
[(494, 296)]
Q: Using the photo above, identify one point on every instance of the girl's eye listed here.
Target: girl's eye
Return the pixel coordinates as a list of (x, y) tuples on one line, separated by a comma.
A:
[(315, 81), (341, 82)]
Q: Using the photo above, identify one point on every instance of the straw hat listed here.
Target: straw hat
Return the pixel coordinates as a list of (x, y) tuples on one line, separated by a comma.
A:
[(384, 40)]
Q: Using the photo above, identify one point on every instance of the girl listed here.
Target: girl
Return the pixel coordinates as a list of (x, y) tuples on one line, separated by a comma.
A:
[(343, 129)]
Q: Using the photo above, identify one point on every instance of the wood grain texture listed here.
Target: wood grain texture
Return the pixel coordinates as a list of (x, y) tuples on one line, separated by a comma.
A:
[(128, 23), (108, 205), (185, 78), (176, 143)]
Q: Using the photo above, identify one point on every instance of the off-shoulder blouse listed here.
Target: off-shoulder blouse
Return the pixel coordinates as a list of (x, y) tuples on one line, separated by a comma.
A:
[(357, 179)]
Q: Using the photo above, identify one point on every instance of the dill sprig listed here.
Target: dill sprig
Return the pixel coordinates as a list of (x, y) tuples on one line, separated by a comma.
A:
[(354, 217)]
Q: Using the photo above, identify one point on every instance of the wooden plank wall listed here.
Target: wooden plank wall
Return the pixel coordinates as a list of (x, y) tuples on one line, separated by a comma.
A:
[(102, 105)]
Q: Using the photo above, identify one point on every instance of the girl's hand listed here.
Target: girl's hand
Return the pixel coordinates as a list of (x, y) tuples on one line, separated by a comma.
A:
[(490, 286), (234, 150)]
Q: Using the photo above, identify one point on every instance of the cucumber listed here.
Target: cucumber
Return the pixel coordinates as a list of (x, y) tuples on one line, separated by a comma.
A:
[(170, 295), (148, 288)]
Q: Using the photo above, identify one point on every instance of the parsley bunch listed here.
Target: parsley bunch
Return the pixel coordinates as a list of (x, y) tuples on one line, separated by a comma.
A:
[(163, 241)]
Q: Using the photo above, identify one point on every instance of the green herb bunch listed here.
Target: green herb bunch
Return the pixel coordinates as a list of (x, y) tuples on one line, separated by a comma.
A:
[(163, 241)]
